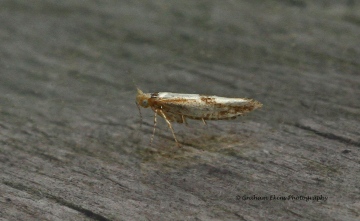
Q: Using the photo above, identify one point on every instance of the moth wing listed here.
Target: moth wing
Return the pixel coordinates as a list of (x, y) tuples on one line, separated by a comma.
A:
[(207, 107)]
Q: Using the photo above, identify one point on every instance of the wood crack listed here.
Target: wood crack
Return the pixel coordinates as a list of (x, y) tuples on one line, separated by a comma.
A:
[(329, 135), (85, 212)]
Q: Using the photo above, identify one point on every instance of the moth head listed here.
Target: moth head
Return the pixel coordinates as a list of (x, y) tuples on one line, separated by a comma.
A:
[(142, 99)]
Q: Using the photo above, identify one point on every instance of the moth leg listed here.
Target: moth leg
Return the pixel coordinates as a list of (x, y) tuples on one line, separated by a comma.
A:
[(169, 124), (184, 120), (153, 134), (203, 121)]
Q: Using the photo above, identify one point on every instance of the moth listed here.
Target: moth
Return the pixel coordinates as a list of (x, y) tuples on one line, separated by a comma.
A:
[(174, 107)]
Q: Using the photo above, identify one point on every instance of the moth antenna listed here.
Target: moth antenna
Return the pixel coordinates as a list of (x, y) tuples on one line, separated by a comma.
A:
[(137, 88), (138, 106), (139, 91)]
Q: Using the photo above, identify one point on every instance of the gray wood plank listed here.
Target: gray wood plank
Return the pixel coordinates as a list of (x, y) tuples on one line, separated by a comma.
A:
[(71, 144)]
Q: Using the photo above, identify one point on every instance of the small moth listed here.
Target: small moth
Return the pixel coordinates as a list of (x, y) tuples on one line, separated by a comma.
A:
[(174, 107)]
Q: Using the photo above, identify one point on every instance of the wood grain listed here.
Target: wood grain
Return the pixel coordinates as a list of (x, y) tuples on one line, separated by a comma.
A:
[(71, 144)]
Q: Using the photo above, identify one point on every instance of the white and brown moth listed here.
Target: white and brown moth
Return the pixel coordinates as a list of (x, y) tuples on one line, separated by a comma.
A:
[(174, 107)]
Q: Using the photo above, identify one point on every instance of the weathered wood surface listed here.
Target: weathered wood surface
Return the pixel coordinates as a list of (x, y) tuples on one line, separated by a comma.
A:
[(71, 145)]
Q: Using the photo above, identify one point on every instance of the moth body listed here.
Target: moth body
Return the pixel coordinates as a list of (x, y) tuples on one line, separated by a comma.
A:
[(175, 107)]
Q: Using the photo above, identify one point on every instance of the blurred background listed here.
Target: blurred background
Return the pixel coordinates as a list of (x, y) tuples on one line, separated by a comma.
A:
[(89, 53)]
